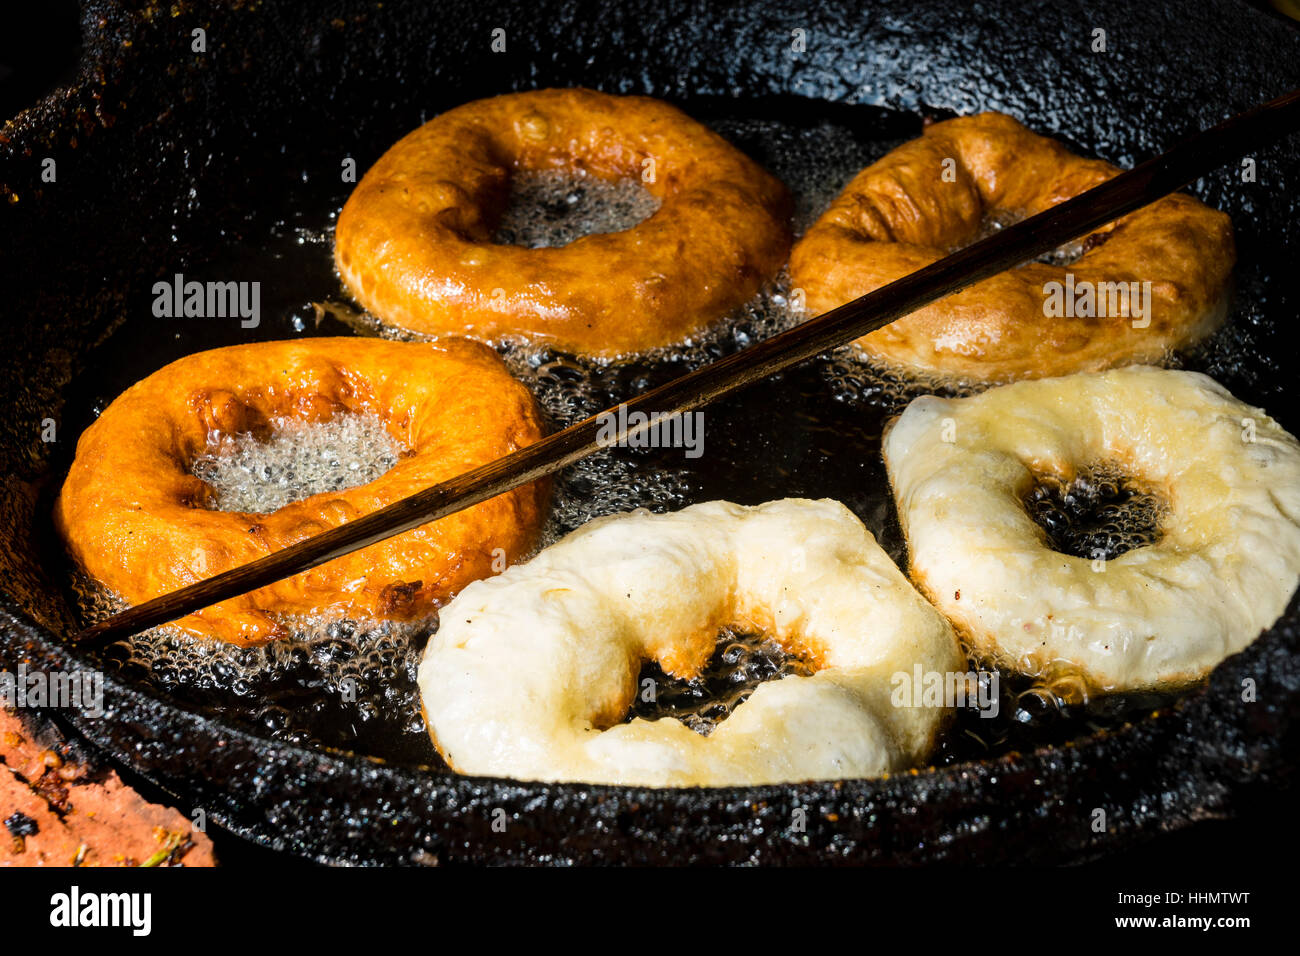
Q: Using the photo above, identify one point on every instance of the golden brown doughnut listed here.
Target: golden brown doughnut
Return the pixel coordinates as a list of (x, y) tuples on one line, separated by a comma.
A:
[(136, 519), (414, 241), (900, 214)]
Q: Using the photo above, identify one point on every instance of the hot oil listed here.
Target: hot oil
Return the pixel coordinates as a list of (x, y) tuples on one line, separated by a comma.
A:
[(740, 662), (298, 460), (333, 683), (1021, 713), (813, 432), (1100, 513), (551, 208)]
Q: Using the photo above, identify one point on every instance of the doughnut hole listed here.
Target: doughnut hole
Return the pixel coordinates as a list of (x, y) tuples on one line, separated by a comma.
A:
[(1099, 512), (550, 208), (739, 663), (261, 469)]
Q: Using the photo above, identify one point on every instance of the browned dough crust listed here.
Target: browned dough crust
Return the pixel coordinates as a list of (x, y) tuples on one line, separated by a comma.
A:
[(414, 241), (899, 215), (134, 515)]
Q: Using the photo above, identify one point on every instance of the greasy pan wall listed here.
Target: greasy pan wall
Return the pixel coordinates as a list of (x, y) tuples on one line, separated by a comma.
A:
[(148, 119)]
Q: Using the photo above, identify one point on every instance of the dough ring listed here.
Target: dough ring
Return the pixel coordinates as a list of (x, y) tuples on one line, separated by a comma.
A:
[(414, 241), (1225, 563), (532, 673), (137, 519), (933, 194)]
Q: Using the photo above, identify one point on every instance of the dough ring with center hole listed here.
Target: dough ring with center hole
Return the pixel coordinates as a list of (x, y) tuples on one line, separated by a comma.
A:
[(137, 520), (1163, 615), (531, 673), (414, 241), (932, 194)]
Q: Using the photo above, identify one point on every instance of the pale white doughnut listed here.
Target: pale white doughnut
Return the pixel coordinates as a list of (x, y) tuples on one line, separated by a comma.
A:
[(531, 672), (1223, 569)]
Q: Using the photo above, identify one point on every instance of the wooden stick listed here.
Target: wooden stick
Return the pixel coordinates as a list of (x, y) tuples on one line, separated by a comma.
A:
[(1006, 249)]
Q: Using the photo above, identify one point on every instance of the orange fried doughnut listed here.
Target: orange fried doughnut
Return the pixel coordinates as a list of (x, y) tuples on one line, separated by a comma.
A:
[(414, 241), (935, 193), (137, 520)]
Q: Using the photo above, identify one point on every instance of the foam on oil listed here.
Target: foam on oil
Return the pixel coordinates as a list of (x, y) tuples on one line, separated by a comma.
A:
[(299, 459), (1101, 512), (553, 208)]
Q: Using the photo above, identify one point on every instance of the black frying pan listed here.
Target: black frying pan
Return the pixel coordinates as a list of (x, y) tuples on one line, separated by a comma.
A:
[(168, 160)]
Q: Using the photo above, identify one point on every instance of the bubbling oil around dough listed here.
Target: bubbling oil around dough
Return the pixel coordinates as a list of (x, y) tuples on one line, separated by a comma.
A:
[(350, 684), (740, 662)]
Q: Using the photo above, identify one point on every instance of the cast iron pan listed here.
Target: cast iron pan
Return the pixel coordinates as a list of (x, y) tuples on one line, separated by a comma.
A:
[(162, 152)]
